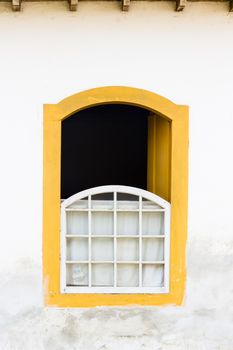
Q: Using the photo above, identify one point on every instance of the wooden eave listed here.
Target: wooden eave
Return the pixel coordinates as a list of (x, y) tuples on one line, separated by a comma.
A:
[(125, 5)]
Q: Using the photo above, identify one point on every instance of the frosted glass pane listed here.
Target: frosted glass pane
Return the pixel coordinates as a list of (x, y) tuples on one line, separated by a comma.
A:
[(79, 204), (77, 223), (102, 249), (127, 249), (152, 223), (77, 274), (77, 249), (127, 223), (152, 275), (149, 204), (102, 201), (102, 223), (108, 205), (102, 275), (127, 275), (127, 201), (152, 249)]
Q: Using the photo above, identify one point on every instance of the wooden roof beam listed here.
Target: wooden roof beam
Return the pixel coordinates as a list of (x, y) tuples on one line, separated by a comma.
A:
[(16, 5), (73, 4), (231, 6), (125, 5), (180, 5)]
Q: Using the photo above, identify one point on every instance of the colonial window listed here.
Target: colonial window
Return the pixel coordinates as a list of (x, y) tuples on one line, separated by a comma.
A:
[(115, 172), (117, 244)]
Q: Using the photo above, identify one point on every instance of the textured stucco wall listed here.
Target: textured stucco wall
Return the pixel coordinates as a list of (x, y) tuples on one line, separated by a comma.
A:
[(48, 53)]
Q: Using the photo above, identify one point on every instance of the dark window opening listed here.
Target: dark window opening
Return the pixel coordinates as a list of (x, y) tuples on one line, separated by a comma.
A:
[(104, 145)]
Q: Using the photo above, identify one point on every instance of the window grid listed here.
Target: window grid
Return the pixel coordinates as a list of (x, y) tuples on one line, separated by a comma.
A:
[(114, 238)]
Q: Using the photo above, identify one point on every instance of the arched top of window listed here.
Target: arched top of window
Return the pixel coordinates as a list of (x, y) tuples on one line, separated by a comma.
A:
[(115, 193), (116, 94)]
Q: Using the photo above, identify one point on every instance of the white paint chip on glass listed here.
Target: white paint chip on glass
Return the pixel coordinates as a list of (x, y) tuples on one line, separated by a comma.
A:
[(77, 274)]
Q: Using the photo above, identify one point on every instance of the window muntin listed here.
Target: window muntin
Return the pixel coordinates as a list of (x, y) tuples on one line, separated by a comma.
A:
[(118, 245)]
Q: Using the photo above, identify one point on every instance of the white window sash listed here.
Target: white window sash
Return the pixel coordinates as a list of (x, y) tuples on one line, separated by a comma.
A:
[(141, 267)]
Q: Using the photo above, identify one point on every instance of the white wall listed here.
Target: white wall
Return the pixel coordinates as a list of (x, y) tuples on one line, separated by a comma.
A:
[(48, 53)]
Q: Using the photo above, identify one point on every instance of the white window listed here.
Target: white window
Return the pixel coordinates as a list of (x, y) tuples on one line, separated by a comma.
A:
[(115, 239)]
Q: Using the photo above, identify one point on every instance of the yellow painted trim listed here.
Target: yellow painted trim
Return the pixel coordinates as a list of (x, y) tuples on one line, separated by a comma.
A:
[(159, 156), (163, 158), (178, 192)]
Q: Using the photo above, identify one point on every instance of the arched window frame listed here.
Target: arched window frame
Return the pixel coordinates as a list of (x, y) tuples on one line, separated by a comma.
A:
[(174, 188)]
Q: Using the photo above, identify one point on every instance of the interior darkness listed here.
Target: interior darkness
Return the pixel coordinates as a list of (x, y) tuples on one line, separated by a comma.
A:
[(104, 145)]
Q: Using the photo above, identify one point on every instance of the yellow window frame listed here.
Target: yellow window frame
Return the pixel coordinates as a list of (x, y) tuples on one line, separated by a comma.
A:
[(167, 177)]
